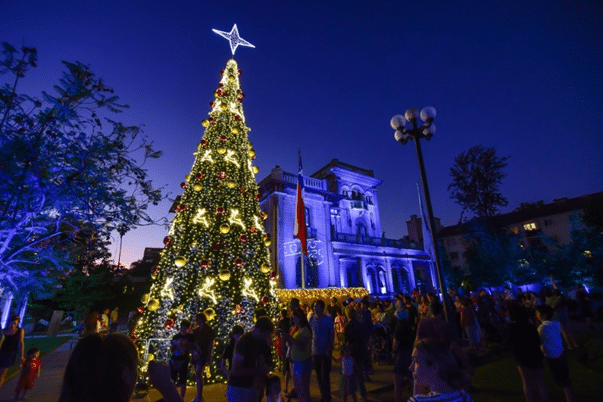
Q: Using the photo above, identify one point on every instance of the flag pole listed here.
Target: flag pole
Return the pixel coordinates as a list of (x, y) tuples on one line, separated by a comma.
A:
[(303, 270)]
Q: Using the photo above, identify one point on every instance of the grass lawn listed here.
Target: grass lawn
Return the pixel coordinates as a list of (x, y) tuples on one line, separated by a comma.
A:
[(499, 381), (45, 344)]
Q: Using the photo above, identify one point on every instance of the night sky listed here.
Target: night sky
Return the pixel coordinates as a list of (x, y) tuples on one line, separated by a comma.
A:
[(327, 76)]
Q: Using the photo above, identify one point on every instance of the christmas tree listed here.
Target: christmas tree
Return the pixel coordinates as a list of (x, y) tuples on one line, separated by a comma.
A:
[(216, 256)]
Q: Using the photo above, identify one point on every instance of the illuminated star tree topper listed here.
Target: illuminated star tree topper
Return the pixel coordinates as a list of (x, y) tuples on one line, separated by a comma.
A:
[(234, 38)]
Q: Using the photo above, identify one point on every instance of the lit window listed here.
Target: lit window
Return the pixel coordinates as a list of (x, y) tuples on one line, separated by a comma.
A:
[(587, 253), (529, 226)]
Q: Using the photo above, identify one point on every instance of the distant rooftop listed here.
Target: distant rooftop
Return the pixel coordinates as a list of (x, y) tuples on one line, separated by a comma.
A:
[(322, 172), (558, 206)]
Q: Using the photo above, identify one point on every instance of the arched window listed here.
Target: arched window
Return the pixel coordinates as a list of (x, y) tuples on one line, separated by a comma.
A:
[(373, 284), (352, 275), (361, 229), (308, 217)]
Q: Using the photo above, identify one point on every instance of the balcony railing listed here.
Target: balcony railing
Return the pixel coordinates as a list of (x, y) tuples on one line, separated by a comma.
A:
[(374, 241)]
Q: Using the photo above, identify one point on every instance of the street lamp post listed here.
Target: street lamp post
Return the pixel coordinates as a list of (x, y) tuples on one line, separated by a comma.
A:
[(416, 132)]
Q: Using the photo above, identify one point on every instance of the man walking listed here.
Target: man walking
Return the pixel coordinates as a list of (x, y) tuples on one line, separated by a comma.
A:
[(250, 363), (322, 347), (203, 345)]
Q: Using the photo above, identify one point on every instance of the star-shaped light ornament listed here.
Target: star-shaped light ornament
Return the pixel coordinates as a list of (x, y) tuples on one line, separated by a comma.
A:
[(234, 38)]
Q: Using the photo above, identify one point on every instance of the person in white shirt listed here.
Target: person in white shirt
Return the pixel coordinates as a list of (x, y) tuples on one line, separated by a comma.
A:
[(552, 348)]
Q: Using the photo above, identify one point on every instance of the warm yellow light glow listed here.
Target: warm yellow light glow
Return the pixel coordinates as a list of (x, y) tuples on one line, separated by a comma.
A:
[(308, 296), (168, 290), (234, 218), (200, 218), (247, 291), (180, 262), (265, 268), (153, 305), (207, 291), (207, 157), (230, 158)]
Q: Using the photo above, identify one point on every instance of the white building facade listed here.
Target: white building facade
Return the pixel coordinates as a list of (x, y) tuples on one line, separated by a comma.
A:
[(346, 246)]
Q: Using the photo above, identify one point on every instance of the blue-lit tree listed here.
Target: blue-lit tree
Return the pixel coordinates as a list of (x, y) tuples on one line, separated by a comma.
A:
[(69, 175)]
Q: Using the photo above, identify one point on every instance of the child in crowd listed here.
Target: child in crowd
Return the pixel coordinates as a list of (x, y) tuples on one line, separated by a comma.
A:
[(348, 381), (30, 369), (273, 389), (552, 348)]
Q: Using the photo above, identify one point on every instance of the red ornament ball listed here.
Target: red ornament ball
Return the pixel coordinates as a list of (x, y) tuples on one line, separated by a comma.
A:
[(238, 309), (238, 118), (253, 229), (238, 262), (221, 85), (241, 95), (243, 189), (140, 309), (239, 72), (265, 299), (211, 120), (220, 210), (223, 138), (211, 105), (222, 72), (169, 323), (183, 184), (199, 175), (204, 264), (219, 91), (133, 334), (243, 238), (222, 175), (272, 275), (167, 240), (182, 207), (258, 197), (240, 101), (154, 269)]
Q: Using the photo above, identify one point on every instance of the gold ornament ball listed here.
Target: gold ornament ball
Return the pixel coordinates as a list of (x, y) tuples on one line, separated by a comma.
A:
[(231, 184), (265, 268), (153, 305), (216, 94), (267, 242), (224, 275), (210, 314), (234, 130), (187, 177), (197, 187), (180, 262), (231, 78), (224, 228), (144, 298), (251, 153), (223, 107), (221, 150), (205, 123), (256, 169), (150, 357)]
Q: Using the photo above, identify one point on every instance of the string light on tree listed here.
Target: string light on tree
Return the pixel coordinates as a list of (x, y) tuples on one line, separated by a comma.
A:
[(215, 257)]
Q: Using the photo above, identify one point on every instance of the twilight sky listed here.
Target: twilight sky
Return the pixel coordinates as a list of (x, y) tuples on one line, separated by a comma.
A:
[(327, 76)]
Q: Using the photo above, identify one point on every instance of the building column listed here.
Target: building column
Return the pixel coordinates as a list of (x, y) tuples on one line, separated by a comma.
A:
[(363, 278), (388, 273), (412, 282)]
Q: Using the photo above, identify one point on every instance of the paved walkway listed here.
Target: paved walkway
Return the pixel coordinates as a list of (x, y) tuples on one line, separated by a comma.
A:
[(47, 387)]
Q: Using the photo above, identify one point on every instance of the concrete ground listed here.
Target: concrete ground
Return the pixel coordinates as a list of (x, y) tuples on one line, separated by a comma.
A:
[(47, 387)]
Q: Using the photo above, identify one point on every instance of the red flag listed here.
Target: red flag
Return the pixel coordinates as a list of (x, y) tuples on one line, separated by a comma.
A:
[(300, 215)]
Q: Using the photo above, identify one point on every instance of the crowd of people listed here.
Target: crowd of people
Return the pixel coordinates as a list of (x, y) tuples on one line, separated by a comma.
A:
[(409, 330)]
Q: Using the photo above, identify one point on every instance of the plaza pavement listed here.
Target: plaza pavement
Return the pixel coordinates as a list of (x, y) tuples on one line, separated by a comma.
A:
[(48, 386)]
